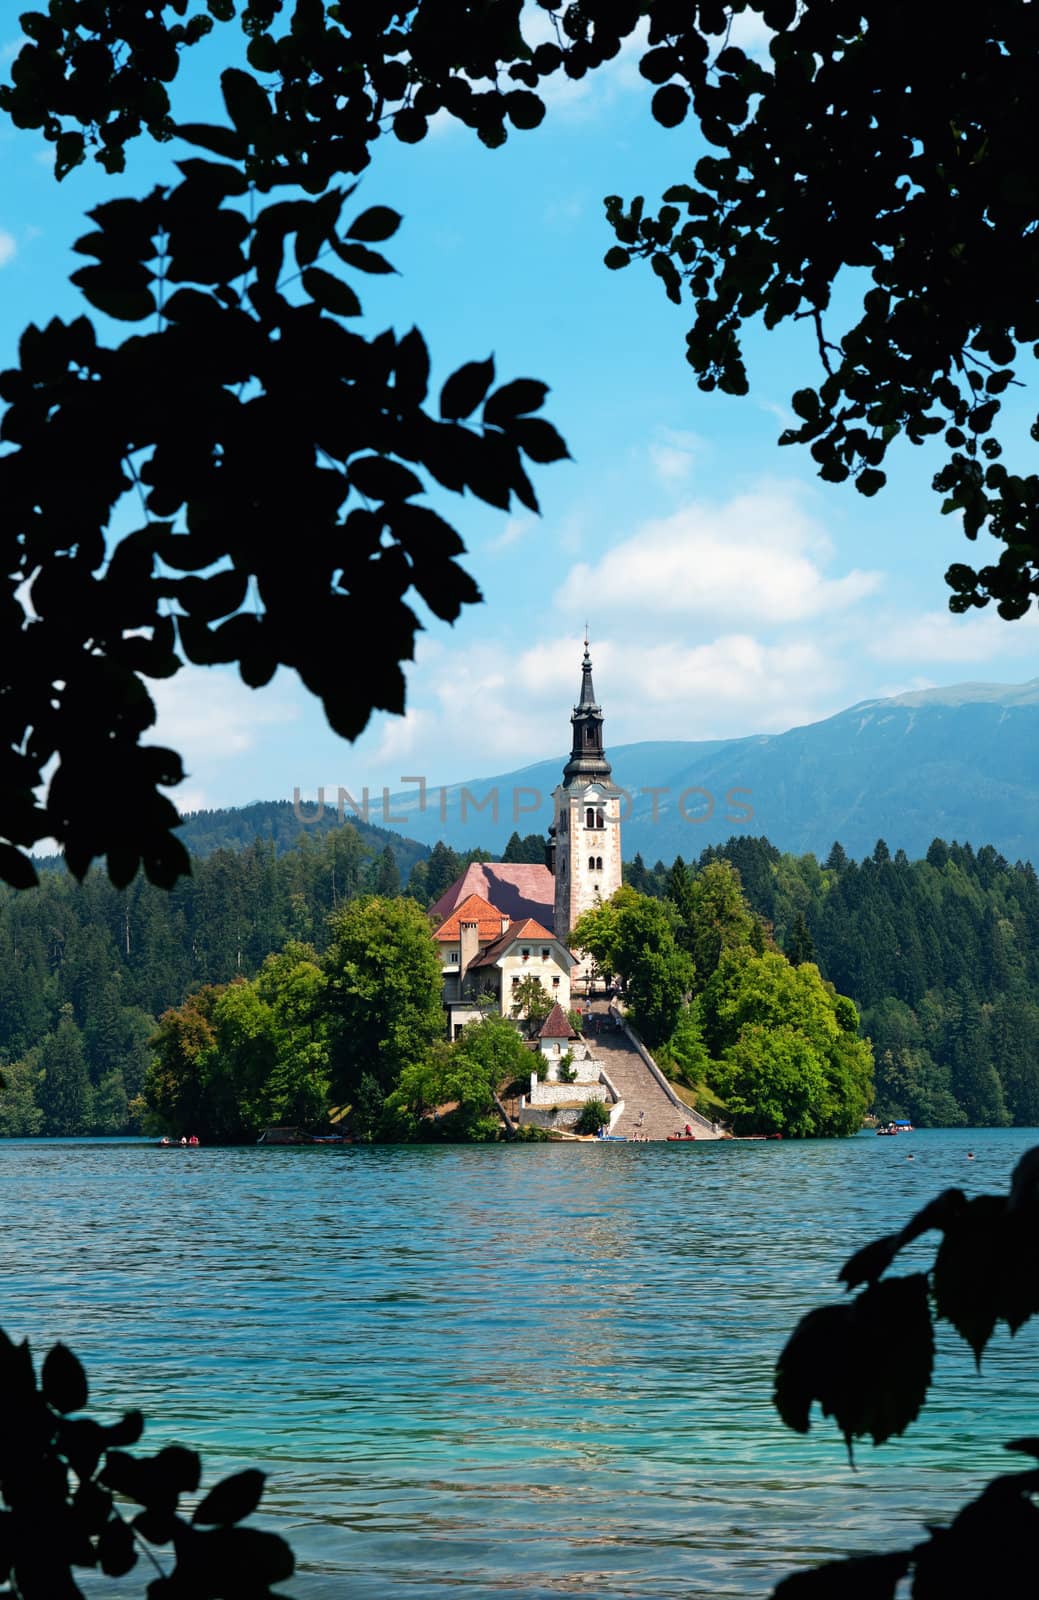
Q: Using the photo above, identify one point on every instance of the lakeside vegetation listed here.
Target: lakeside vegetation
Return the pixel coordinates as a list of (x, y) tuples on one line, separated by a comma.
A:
[(940, 957)]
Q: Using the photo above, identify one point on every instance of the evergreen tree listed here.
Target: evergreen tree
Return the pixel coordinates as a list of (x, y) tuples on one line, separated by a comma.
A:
[(442, 868), (386, 876), (64, 1095), (635, 874), (799, 944), (837, 860)]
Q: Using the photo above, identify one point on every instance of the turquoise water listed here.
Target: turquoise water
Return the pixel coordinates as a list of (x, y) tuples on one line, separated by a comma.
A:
[(537, 1369)]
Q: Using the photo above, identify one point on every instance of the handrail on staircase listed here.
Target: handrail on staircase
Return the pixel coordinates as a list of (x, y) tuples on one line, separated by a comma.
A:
[(688, 1112)]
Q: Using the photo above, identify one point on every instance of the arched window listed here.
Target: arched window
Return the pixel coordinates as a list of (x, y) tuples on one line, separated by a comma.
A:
[(598, 863), (598, 819), (591, 863), (589, 818)]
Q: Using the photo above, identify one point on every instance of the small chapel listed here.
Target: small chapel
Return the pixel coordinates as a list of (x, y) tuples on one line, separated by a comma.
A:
[(499, 922)]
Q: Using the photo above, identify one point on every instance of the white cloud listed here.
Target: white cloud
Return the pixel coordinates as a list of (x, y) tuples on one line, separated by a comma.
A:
[(756, 559), (210, 715), (942, 636), (674, 452), (8, 247), (514, 530)]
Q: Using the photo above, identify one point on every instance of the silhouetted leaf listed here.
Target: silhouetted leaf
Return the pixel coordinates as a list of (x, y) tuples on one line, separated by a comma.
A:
[(16, 869), (365, 260), (222, 141), (465, 388), (867, 1264), (379, 478), (514, 400), (969, 1269), (232, 1500), (859, 1578), (115, 1548), (246, 102), (62, 1380), (867, 1362), (670, 105), (331, 293), (538, 439), (374, 225)]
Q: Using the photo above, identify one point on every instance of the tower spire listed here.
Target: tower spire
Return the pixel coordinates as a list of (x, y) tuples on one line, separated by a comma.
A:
[(587, 757)]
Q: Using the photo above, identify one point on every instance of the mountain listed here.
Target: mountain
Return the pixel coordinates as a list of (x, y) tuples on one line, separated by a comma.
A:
[(277, 821), (956, 763)]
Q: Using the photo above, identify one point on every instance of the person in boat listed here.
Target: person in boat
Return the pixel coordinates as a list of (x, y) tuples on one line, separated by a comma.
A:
[(688, 1131), (193, 1139), (183, 1140), (164, 1139)]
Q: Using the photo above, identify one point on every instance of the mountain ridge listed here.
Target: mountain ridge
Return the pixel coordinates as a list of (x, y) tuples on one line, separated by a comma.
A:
[(959, 762)]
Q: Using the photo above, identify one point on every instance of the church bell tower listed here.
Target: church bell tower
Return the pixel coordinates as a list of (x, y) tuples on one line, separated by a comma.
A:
[(585, 836)]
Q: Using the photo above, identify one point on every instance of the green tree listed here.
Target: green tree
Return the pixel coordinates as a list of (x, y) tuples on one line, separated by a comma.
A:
[(531, 1001), (21, 1117), (382, 994), (175, 1090), (386, 875), (753, 999), (65, 1096), (633, 936), (718, 918), (800, 946)]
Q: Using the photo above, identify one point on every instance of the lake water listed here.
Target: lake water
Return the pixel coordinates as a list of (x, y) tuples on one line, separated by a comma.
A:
[(536, 1369)]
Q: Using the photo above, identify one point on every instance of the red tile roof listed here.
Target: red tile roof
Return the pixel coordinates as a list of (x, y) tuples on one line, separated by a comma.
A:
[(517, 889), (527, 929), (557, 1025), (474, 908)]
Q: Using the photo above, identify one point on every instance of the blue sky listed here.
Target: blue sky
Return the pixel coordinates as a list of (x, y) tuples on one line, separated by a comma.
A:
[(728, 591)]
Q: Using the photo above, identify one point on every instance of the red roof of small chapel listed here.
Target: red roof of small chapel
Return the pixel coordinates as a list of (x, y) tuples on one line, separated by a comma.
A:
[(557, 1025)]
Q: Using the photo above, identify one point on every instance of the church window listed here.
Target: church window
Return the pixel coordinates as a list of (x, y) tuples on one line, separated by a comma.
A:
[(589, 818), (598, 863), (591, 863), (598, 819)]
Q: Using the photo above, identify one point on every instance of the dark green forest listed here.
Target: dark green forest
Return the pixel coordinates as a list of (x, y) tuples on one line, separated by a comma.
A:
[(941, 956)]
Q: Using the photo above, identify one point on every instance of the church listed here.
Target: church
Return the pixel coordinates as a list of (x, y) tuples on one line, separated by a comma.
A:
[(500, 922)]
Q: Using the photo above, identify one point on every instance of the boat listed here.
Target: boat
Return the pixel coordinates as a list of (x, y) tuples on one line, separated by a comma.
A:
[(889, 1129), (177, 1144)]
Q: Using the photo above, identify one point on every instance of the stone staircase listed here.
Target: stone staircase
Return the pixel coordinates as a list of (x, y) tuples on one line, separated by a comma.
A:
[(647, 1109)]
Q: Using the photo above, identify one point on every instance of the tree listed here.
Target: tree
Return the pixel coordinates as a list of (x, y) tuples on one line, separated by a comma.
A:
[(386, 875), (382, 996), (174, 1084), (464, 1073), (531, 1001), (20, 1115), (718, 918), (800, 946), (65, 1096), (785, 1050), (633, 936), (595, 1114)]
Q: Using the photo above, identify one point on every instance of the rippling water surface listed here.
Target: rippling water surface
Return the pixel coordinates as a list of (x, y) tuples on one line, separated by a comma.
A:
[(537, 1369)]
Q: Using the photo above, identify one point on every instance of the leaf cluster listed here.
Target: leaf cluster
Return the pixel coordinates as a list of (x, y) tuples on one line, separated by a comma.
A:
[(868, 1363), (75, 1497), (870, 138), (242, 411)]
